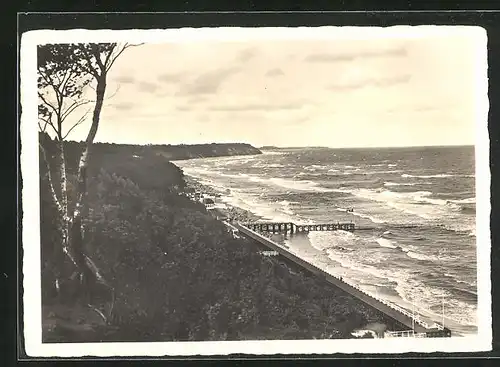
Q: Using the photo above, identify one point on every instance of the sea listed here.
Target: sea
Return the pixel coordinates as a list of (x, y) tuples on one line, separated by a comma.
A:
[(429, 269)]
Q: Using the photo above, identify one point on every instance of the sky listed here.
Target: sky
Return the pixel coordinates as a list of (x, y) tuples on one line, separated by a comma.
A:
[(335, 92)]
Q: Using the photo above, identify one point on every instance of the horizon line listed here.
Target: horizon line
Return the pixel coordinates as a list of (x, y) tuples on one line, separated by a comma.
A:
[(269, 146)]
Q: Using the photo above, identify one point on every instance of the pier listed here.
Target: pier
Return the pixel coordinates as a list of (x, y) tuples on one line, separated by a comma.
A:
[(416, 324), (289, 227), (298, 228)]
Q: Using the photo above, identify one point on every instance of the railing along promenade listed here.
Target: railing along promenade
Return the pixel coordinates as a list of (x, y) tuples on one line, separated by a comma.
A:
[(411, 320)]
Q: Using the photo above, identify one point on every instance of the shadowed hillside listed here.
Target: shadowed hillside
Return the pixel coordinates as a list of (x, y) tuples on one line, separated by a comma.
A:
[(175, 272)]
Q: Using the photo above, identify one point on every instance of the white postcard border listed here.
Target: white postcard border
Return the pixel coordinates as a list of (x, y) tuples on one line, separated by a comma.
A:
[(31, 199)]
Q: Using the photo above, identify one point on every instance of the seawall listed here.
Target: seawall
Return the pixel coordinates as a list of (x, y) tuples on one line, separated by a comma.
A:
[(393, 312)]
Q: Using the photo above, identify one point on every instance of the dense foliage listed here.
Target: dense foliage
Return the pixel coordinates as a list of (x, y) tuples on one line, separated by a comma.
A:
[(176, 271)]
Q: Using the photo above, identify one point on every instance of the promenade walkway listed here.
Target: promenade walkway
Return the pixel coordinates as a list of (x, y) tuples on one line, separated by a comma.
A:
[(413, 321)]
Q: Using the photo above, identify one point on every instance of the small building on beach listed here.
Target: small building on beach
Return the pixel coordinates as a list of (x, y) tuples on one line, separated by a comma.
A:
[(209, 203)]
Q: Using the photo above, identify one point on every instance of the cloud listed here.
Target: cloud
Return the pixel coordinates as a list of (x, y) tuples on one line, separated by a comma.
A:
[(183, 108), (125, 79), (275, 72), (297, 121), (258, 107), (196, 100), (383, 82), (330, 57), (122, 106), (207, 83), (246, 55), (147, 87), (171, 78)]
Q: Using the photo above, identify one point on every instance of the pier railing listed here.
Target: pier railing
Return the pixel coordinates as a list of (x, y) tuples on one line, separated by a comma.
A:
[(289, 227), (404, 334), (279, 227)]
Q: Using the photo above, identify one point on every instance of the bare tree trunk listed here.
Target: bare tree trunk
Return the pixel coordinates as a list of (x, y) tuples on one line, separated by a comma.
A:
[(64, 180), (60, 249), (87, 273), (82, 167), (49, 178), (64, 194)]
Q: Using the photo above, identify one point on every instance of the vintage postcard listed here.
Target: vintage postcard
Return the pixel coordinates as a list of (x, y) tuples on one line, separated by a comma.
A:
[(255, 191)]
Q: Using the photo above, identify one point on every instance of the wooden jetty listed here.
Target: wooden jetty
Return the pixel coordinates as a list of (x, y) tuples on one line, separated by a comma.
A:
[(298, 228)]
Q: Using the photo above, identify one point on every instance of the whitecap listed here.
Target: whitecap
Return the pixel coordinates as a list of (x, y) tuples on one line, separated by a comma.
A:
[(386, 243), (441, 175)]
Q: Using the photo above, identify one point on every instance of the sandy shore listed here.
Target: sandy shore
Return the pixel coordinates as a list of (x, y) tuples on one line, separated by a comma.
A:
[(231, 212)]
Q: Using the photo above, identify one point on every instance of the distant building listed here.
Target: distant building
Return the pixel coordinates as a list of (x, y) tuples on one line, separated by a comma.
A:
[(209, 203)]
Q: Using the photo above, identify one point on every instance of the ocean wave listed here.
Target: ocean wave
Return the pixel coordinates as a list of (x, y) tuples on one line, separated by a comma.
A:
[(456, 279), (417, 255), (260, 208), (309, 186), (294, 185), (315, 167), (272, 165), (464, 201), (410, 252), (325, 240), (269, 152), (388, 183), (465, 226), (413, 203), (361, 215), (366, 173), (386, 243), (309, 174), (440, 175), (286, 207), (431, 298), (411, 290)]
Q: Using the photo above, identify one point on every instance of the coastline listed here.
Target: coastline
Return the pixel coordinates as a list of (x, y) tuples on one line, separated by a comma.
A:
[(378, 322)]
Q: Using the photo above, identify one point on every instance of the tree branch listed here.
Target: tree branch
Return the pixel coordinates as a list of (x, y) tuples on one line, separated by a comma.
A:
[(73, 107), (108, 56), (51, 83), (114, 94), (47, 122), (97, 56), (47, 103), (88, 58), (65, 80), (125, 46), (42, 129), (77, 123)]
